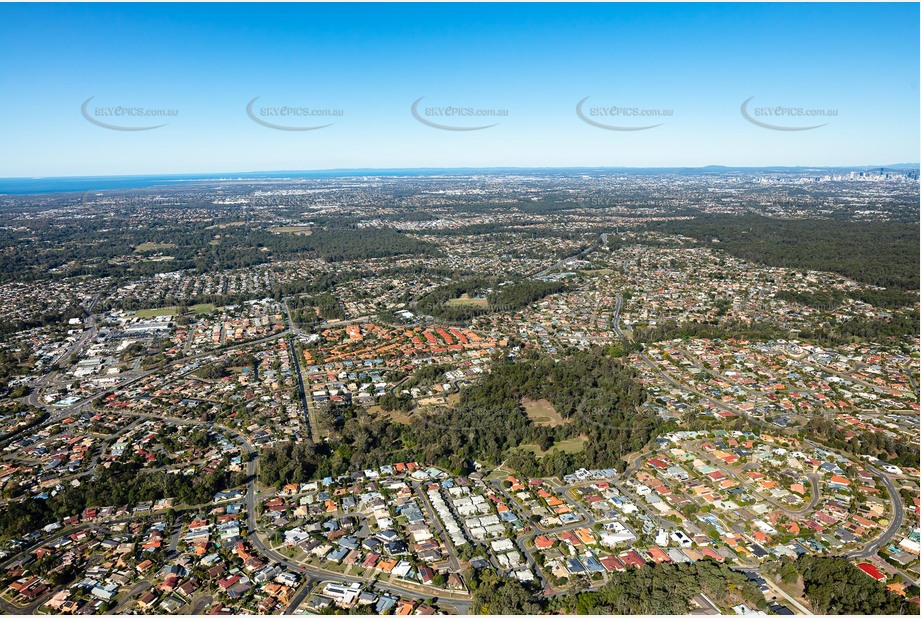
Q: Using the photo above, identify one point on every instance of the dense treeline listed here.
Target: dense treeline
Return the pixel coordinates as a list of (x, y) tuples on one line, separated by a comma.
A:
[(427, 374), (517, 295), (436, 302), (821, 299), (130, 486), (334, 245), (501, 596), (14, 362), (20, 518), (509, 297), (835, 586), (96, 248), (881, 253), (664, 589), (831, 333), (885, 448), (289, 462), (127, 484), (309, 310), (597, 395), (41, 319), (363, 441), (887, 298)]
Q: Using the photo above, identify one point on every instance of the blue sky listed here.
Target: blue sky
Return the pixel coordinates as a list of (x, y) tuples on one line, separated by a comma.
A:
[(537, 61)]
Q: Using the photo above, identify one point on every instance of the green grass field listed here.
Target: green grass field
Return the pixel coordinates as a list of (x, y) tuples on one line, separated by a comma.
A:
[(152, 313)]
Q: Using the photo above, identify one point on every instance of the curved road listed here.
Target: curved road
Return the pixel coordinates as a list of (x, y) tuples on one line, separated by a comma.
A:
[(898, 509), (898, 517)]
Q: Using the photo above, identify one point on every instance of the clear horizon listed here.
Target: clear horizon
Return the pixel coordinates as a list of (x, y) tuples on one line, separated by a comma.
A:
[(445, 86), (868, 166), (32, 185)]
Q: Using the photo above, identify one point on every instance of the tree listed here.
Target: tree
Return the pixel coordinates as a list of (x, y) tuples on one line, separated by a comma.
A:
[(835, 586)]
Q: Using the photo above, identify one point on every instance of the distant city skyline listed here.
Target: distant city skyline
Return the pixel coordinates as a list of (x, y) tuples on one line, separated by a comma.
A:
[(100, 183), (239, 88)]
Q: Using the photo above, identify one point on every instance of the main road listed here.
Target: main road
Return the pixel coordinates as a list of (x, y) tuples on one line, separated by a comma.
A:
[(581, 253)]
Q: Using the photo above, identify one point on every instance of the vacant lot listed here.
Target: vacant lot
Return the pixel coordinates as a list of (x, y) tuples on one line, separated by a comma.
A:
[(573, 445), (396, 416), (541, 412), (299, 230), (465, 300), (144, 247)]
